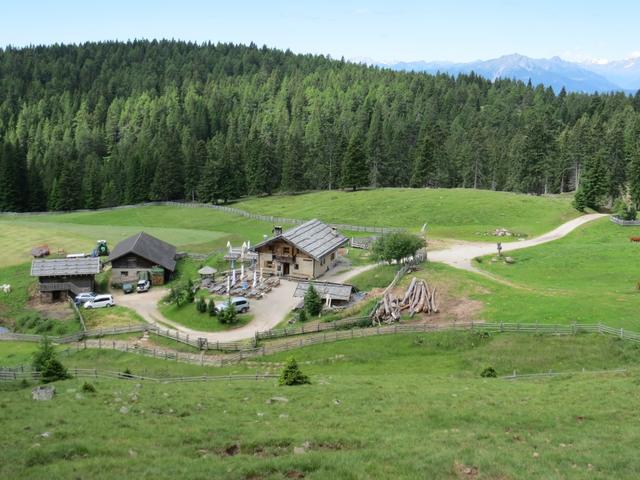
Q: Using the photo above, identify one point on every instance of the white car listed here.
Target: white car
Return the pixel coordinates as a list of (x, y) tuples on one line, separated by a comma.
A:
[(241, 305), (143, 286), (100, 301), (83, 298)]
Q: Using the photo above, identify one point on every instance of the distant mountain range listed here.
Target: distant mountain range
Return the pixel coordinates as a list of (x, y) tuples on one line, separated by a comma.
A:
[(589, 77)]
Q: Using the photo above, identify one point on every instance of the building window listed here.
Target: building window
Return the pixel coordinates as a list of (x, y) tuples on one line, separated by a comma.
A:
[(286, 250), (268, 264), (124, 273), (295, 267), (333, 256)]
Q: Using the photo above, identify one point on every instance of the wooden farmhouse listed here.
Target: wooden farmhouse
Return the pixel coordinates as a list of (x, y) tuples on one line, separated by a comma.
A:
[(142, 255), (304, 252), (63, 277)]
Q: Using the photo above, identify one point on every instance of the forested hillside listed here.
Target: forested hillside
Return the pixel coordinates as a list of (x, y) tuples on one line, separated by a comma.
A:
[(102, 124)]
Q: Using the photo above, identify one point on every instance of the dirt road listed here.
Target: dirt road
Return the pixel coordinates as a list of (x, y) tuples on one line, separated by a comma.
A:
[(461, 255)]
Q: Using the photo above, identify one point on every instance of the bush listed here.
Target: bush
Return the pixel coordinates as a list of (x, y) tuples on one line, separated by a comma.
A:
[(43, 355), (489, 372), (579, 201), (126, 374), (302, 316), (54, 371), (201, 305), (291, 374), (396, 246), (312, 301), (212, 308), (625, 211), (88, 388), (228, 315)]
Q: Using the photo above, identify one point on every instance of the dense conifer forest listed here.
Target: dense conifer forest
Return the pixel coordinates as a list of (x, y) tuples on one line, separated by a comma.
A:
[(102, 124)]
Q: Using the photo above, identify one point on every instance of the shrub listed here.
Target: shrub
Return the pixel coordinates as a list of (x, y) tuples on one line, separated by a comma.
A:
[(126, 374), (312, 302), (302, 316), (88, 387), (54, 371), (201, 305), (43, 355), (489, 372), (291, 374), (579, 201), (624, 210), (228, 315), (211, 306), (396, 246)]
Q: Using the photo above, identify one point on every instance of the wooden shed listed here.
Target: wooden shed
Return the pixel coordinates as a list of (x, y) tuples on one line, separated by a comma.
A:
[(331, 293), (63, 277)]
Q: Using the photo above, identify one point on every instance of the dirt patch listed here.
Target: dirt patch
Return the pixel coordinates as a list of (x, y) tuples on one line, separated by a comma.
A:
[(463, 309), (465, 471), (51, 311)]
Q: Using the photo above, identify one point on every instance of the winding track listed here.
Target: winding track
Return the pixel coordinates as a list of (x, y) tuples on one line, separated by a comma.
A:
[(268, 312)]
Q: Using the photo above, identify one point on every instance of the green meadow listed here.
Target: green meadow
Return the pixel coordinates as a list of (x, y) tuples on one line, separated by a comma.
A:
[(448, 213), (406, 406)]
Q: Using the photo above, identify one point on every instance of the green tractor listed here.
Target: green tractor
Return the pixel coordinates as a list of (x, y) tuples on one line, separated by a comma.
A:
[(101, 250)]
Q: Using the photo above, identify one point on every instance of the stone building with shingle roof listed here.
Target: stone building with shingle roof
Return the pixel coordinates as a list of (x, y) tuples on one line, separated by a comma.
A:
[(305, 252)]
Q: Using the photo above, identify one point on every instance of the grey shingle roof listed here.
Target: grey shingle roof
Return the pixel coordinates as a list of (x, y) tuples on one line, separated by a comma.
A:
[(337, 291), (146, 246), (313, 237), (65, 266)]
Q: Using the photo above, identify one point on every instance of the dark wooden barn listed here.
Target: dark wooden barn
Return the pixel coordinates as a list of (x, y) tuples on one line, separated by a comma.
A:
[(141, 253), (63, 277)]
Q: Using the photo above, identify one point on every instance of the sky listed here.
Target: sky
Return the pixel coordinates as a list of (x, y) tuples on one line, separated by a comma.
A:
[(454, 30)]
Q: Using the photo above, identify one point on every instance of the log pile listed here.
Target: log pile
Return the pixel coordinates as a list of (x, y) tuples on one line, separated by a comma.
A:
[(419, 298)]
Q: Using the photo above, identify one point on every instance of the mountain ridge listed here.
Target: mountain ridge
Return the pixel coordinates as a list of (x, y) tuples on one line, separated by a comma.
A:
[(622, 75)]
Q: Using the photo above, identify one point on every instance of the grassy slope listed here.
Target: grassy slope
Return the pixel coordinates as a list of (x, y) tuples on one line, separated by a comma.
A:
[(449, 213), (408, 406), (589, 276), (192, 229)]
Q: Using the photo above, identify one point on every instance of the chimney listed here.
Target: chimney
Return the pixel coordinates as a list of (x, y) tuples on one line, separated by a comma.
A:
[(277, 230), (334, 231)]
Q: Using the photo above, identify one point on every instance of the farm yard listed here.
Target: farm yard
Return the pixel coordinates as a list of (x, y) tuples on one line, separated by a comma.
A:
[(411, 380)]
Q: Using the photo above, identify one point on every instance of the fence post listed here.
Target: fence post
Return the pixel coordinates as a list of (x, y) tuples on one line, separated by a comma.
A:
[(501, 327), (621, 333)]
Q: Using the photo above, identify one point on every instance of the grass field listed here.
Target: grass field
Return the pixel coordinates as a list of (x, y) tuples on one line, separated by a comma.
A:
[(589, 276), (188, 316), (449, 213), (191, 229), (407, 406)]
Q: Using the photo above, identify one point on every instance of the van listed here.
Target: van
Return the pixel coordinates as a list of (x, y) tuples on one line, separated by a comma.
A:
[(100, 301), (143, 286), (241, 305)]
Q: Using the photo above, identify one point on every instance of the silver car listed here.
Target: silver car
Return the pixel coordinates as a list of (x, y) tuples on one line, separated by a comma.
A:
[(241, 305)]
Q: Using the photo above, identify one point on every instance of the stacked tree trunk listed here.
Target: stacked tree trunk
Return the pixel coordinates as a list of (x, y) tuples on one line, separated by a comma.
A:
[(419, 298)]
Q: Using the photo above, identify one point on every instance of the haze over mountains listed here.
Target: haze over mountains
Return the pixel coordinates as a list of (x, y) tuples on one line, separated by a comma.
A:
[(589, 77)]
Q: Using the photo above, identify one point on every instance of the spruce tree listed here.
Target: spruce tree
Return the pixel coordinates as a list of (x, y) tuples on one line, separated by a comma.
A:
[(354, 167)]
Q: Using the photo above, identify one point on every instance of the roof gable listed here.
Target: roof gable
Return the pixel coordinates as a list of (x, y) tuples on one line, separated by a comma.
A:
[(315, 238), (148, 247), (59, 267)]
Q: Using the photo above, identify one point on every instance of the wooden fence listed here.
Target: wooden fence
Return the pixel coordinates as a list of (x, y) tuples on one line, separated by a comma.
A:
[(78, 314), (231, 210), (196, 342), (624, 223), (316, 338), (29, 374)]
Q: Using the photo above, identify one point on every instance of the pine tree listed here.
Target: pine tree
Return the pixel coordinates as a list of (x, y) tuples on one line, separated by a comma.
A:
[(354, 167), (312, 301)]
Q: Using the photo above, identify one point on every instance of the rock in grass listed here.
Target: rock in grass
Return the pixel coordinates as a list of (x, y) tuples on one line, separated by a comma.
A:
[(124, 409), (299, 450), (42, 393), (277, 400)]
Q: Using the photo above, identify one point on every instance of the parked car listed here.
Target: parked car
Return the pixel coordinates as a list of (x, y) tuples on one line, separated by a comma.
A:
[(83, 298), (100, 301), (143, 286), (241, 305), (128, 288)]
